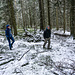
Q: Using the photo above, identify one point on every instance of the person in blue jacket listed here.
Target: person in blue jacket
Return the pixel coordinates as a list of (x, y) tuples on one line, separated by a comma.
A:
[(47, 35), (9, 36)]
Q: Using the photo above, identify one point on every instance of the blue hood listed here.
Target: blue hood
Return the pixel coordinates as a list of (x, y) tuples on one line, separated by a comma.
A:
[(7, 26)]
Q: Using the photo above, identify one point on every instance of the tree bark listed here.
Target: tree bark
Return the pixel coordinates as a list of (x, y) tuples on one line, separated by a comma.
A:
[(73, 18), (64, 17), (30, 17), (48, 5), (23, 14), (12, 16), (57, 18), (41, 14)]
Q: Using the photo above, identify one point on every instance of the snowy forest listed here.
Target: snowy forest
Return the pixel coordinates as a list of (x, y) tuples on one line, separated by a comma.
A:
[(28, 20)]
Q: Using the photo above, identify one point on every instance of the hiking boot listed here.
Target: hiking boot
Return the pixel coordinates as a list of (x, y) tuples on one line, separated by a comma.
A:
[(10, 48), (44, 47), (49, 48)]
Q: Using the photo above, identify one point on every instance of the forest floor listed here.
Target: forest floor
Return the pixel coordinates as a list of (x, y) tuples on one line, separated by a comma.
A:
[(29, 58)]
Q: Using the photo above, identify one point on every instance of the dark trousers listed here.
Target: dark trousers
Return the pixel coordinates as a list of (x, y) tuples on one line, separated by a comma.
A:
[(9, 40), (45, 42)]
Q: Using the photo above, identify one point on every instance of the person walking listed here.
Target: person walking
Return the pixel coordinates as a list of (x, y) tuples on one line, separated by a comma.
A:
[(9, 36), (47, 35)]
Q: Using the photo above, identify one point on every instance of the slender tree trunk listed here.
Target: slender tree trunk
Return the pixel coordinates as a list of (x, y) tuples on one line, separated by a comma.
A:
[(34, 11), (57, 18), (73, 18), (48, 5), (12, 16), (23, 14), (18, 20), (41, 15), (64, 17), (30, 17)]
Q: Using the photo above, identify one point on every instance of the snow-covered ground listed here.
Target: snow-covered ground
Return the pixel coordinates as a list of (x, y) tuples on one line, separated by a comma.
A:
[(29, 58)]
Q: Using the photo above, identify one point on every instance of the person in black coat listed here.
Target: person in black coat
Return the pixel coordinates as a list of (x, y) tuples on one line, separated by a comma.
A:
[(9, 36), (47, 35)]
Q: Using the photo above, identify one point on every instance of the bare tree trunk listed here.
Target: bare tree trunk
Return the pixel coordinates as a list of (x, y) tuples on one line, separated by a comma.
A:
[(41, 14), (64, 17), (34, 11), (57, 18), (30, 17), (12, 16), (73, 18), (48, 5), (23, 14)]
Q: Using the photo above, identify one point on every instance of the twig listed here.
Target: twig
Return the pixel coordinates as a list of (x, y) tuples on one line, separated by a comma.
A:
[(6, 62), (24, 54)]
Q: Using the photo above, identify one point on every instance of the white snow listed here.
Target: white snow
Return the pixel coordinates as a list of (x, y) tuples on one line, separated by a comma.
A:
[(62, 32), (63, 50)]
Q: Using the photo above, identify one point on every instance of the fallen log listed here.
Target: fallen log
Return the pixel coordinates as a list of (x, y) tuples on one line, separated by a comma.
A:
[(7, 61), (63, 34), (25, 64)]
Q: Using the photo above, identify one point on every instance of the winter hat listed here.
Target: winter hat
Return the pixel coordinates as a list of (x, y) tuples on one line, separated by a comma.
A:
[(47, 27), (7, 26)]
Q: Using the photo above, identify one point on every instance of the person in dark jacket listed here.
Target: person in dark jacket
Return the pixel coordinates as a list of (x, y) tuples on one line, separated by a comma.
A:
[(47, 35), (9, 36)]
